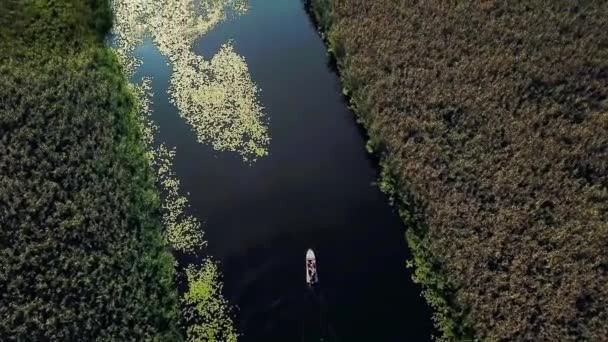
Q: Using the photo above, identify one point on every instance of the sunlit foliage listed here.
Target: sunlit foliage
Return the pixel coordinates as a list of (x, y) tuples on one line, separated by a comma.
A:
[(81, 252), (493, 122)]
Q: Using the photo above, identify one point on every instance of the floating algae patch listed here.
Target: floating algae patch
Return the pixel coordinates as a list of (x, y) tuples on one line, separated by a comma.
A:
[(182, 231), (216, 97), (220, 103), (175, 24), (143, 94), (129, 30), (204, 308)]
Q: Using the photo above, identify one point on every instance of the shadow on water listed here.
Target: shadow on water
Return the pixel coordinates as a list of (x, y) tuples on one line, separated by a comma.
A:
[(314, 190)]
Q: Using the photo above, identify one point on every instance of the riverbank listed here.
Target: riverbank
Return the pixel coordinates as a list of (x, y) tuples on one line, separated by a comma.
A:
[(260, 217), (438, 292), (83, 256), (491, 152)]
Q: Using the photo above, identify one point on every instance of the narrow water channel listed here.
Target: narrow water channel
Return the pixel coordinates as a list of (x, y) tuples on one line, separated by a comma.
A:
[(315, 189)]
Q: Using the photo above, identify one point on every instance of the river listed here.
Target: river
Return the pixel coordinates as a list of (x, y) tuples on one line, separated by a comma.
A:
[(315, 189)]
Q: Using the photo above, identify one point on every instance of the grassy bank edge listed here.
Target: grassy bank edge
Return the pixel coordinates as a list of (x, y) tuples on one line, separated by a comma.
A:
[(70, 35), (449, 318), (145, 190)]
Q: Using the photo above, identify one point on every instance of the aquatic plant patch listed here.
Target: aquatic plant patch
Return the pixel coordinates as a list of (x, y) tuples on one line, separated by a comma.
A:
[(182, 231), (204, 309), (216, 97), (210, 94)]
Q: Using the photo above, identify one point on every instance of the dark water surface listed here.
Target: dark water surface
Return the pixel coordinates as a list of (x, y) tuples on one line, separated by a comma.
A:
[(314, 190)]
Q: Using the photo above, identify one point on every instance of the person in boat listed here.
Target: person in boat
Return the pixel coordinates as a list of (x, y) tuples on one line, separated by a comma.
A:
[(312, 270)]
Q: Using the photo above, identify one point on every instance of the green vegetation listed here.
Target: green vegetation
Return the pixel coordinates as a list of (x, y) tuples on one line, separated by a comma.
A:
[(216, 97), (491, 118), (80, 239), (206, 314), (205, 309)]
